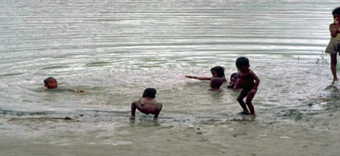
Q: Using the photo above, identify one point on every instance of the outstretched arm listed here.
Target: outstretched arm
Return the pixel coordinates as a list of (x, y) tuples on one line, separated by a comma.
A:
[(198, 78), (77, 91)]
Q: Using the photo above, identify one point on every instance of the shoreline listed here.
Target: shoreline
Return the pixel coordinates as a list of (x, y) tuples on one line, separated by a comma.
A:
[(315, 135)]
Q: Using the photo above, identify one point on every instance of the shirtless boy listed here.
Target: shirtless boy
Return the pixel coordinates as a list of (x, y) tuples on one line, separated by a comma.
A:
[(245, 81), (147, 104)]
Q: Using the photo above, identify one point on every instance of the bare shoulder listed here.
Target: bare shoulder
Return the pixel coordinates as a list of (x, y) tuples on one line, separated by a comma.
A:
[(252, 73)]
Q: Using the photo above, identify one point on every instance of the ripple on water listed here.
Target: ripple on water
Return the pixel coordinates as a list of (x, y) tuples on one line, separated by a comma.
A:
[(12, 74), (98, 64), (55, 67)]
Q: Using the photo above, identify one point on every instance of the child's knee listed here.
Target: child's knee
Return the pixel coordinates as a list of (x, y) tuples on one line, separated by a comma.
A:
[(249, 101), (160, 106), (133, 103)]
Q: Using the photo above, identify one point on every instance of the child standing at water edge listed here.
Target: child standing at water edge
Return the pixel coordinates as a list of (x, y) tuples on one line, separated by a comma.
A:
[(245, 80), (51, 83), (334, 44), (147, 104), (216, 71)]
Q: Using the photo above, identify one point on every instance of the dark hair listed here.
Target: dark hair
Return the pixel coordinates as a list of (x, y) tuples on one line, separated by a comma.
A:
[(216, 83), (336, 11), (49, 78), (219, 70), (233, 75), (150, 92), (242, 61)]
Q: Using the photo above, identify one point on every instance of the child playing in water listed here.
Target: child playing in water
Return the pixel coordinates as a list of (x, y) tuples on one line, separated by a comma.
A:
[(216, 83), (51, 83), (245, 80), (147, 104), (233, 78), (334, 44), (216, 71)]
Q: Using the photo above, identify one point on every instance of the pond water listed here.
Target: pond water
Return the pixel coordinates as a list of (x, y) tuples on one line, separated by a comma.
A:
[(115, 49)]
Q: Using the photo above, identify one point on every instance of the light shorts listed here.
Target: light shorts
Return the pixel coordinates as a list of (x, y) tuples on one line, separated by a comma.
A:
[(333, 46)]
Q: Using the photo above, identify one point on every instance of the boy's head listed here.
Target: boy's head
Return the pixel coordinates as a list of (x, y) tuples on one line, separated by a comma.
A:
[(336, 14), (51, 83), (217, 71), (233, 77), (336, 11), (216, 83), (150, 92), (242, 63)]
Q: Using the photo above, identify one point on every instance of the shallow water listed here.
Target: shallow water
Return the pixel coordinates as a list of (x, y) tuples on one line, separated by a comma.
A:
[(116, 49)]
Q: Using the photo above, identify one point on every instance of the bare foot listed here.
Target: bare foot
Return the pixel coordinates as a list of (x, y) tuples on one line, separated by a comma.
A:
[(244, 113), (132, 117)]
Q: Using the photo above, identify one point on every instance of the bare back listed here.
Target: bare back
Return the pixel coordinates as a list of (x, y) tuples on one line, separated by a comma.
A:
[(149, 105)]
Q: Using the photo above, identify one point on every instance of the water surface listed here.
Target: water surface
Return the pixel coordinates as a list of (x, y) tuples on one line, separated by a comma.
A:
[(116, 49)]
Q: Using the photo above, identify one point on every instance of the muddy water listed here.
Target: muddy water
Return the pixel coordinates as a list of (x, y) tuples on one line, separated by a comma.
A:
[(116, 49)]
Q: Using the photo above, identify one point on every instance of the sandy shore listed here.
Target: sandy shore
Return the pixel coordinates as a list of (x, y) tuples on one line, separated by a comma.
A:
[(313, 135)]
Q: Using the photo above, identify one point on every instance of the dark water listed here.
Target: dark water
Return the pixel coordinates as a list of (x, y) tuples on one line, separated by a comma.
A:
[(116, 49)]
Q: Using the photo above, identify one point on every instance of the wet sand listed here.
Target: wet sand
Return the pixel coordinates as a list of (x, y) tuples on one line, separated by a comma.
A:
[(314, 134)]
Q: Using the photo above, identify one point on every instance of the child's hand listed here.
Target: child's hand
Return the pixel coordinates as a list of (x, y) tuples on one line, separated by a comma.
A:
[(253, 91), (336, 22), (334, 28), (235, 87), (191, 77), (79, 91)]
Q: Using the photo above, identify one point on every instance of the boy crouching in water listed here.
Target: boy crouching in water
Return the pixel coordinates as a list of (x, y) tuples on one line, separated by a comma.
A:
[(245, 80), (147, 104)]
